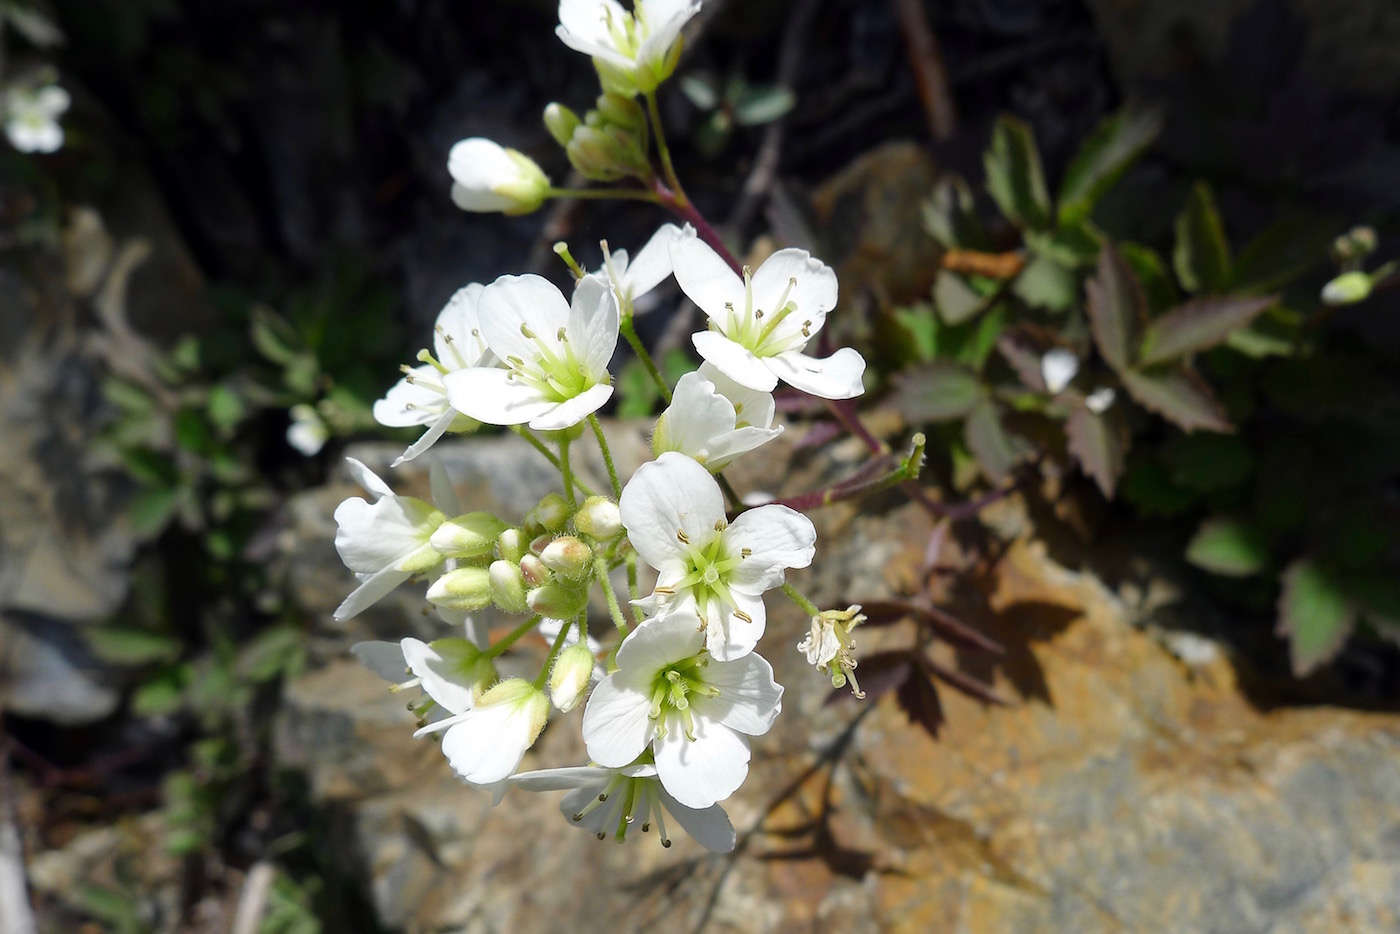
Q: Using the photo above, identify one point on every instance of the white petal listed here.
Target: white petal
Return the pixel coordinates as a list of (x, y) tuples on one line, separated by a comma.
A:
[(588, 19), (373, 536), (566, 779), (1057, 368), (710, 827), (666, 19), (697, 415), (669, 495), (657, 643), (478, 163), (778, 538), (412, 403), (735, 361), (726, 447), (616, 725), (480, 201), (52, 100), (371, 590), (652, 265), (751, 406), (429, 438), (572, 411), (731, 637), (836, 377), (708, 769), (749, 699), (489, 395), (512, 301), (475, 631), (383, 658), (488, 743), (444, 494), (814, 294), (367, 478), (706, 279), (454, 342), (593, 324), (438, 679)]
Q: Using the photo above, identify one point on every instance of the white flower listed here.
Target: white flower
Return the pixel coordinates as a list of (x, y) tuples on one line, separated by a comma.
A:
[(828, 646), (610, 802), (487, 177), (486, 741), (452, 673), (713, 419), (648, 269), (640, 46), (1099, 400), (31, 117), (696, 713), (760, 324), (674, 514), (556, 354), (1057, 368), (420, 397), (384, 540), (307, 432)]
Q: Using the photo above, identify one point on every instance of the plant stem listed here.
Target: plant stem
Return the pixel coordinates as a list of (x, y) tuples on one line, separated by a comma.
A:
[(632, 590), (512, 637), (566, 471), (735, 502), (601, 194), (857, 487), (795, 595), (678, 204), (629, 333), (543, 676), (607, 454), (666, 166), (600, 573)]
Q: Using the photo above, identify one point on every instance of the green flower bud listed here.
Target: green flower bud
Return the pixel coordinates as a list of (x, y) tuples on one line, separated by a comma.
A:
[(510, 545), (534, 570), (468, 536), (463, 589), (422, 561), (568, 556), (550, 513), (561, 123), (615, 80), (568, 682), (599, 518), (557, 600), (595, 155), (1347, 289), (508, 586), (622, 111)]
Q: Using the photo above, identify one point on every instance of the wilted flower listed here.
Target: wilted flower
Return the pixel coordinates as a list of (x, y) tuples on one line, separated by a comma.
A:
[(828, 646)]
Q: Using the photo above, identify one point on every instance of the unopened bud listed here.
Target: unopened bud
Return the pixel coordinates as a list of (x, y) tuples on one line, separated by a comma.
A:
[(508, 586), (568, 556), (1354, 245), (561, 123), (468, 536), (568, 682), (463, 589), (510, 545), (621, 110), (534, 570), (1347, 289), (550, 513), (599, 518), (595, 155), (557, 600)]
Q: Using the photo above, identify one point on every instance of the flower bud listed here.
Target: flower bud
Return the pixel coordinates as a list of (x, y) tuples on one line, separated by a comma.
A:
[(527, 699), (488, 177), (595, 155), (508, 586), (510, 545), (599, 518), (561, 123), (557, 600), (1347, 289), (568, 556), (550, 513), (463, 589), (615, 80), (621, 110), (568, 682), (534, 570), (468, 536)]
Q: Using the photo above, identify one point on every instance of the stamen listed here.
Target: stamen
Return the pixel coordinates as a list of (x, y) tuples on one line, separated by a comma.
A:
[(664, 591), (721, 525), (563, 337), (406, 369), (525, 330), (807, 328), (684, 539), (746, 552), (744, 616)]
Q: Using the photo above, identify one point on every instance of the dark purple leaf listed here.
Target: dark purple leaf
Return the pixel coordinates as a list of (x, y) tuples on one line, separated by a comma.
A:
[(1199, 325), (1178, 395), (1099, 441), (1117, 308), (937, 392), (988, 441)]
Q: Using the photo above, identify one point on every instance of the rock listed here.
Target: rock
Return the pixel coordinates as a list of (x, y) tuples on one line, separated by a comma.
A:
[(1130, 785), (45, 672)]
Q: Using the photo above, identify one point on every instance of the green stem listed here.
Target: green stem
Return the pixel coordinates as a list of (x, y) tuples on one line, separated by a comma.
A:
[(607, 454), (630, 334), (548, 455), (667, 168), (795, 596), (603, 194), (512, 637), (600, 573), (632, 589), (735, 502), (905, 471), (566, 471), (543, 676)]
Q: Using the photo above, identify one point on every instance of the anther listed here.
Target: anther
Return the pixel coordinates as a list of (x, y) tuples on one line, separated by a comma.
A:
[(746, 552), (744, 616), (646, 828), (721, 525), (405, 368), (563, 337), (758, 314), (806, 328), (525, 330), (602, 836), (664, 591), (684, 538)]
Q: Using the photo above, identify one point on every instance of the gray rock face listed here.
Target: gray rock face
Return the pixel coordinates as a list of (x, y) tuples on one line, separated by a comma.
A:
[(1131, 790)]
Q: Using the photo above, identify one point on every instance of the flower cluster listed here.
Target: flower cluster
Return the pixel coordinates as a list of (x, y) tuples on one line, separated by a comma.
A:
[(671, 699)]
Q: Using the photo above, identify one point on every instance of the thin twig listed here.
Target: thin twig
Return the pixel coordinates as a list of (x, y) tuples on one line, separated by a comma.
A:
[(930, 74), (252, 901)]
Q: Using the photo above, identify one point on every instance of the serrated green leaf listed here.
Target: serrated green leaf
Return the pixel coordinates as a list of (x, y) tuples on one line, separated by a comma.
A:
[(956, 301), (1315, 614), (1074, 246), (1044, 283), (1102, 160), (937, 392), (920, 325), (1229, 547), (122, 645), (1202, 253), (1178, 395), (988, 441), (972, 343), (1199, 325), (1015, 179), (1099, 442), (1116, 308)]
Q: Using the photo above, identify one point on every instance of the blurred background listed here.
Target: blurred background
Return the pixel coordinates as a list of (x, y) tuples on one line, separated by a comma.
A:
[(1147, 681)]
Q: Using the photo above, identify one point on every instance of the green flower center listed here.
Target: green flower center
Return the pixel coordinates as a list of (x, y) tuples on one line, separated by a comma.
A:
[(671, 691), (555, 372), (756, 329)]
